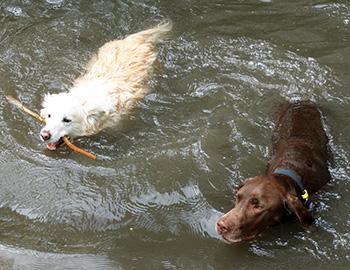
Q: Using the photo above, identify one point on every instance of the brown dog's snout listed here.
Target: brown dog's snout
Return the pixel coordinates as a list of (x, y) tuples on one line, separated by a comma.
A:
[(223, 226), (45, 135)]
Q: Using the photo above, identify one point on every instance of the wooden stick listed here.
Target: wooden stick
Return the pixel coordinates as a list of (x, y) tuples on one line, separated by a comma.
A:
[(37, 116), (65, 139), (22, 107)]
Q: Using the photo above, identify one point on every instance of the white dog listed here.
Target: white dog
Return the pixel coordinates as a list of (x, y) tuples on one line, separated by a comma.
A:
[(115, 79)]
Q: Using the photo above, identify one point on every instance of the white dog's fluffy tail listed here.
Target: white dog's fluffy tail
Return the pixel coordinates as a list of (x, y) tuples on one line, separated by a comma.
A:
[(156, 34)]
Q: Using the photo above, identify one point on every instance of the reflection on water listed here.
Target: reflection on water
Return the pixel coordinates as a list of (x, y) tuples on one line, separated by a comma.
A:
[(166, 174)]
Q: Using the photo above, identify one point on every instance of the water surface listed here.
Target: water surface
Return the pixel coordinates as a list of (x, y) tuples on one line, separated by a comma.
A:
[(166, 174)]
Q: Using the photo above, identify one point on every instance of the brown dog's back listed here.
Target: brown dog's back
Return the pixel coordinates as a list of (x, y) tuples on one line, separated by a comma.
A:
[(300, 144)]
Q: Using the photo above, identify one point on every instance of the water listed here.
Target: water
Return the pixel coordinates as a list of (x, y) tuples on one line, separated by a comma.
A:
[(165, 175)]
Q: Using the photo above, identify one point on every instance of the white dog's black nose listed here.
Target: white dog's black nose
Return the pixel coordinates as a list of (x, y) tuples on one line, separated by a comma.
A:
[(45, 135)]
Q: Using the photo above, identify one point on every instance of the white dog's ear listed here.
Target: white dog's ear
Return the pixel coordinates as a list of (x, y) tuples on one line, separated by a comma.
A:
[(49, 99), (93, 117)]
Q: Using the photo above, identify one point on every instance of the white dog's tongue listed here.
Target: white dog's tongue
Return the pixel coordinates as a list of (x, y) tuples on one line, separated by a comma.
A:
[(54, 146)]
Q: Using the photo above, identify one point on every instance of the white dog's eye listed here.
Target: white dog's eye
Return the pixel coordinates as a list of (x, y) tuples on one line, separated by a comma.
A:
[(49, 115), (66, 120)]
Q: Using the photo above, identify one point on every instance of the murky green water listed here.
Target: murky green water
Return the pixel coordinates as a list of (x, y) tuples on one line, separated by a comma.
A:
[(166, 174)]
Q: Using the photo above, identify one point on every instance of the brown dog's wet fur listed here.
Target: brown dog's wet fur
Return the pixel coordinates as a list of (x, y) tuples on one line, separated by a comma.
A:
[(300, 146)]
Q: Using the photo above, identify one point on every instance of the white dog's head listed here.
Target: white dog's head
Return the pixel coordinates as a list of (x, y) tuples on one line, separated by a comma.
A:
[(64, 116), (80, 112)]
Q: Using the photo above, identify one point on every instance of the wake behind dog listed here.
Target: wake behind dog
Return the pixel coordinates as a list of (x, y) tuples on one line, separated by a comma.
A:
[(115, 79)]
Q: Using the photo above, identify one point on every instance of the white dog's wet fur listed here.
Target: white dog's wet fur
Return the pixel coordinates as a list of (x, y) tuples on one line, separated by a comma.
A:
[(115, 79)]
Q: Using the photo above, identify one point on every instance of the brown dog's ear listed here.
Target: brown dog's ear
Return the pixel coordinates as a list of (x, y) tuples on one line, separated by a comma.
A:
[(294, 205), (236, 188)]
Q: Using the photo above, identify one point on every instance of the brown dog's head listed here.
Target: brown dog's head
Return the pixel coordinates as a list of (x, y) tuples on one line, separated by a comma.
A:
[(262, 202)]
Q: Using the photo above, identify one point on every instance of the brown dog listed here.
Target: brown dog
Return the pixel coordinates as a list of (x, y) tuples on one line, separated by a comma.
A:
[(298, 166)]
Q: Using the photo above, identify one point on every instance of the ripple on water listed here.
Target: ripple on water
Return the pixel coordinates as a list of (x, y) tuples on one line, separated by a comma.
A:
[(243, 65)]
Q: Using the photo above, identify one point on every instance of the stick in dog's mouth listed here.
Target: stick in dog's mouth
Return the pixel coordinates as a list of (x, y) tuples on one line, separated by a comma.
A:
[(52, 146)]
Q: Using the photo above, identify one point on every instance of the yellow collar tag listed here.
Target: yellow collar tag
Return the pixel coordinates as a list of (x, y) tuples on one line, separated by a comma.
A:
[(305, 195)]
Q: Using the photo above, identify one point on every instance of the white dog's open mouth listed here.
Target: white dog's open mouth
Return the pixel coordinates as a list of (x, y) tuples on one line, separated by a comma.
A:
[(55, 145)]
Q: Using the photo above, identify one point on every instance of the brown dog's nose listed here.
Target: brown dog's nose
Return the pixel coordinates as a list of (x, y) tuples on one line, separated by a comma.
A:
[(45, 135), (223, 226)]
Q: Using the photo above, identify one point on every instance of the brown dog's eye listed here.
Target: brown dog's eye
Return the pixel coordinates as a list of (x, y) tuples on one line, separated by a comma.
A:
[(255, 201)]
